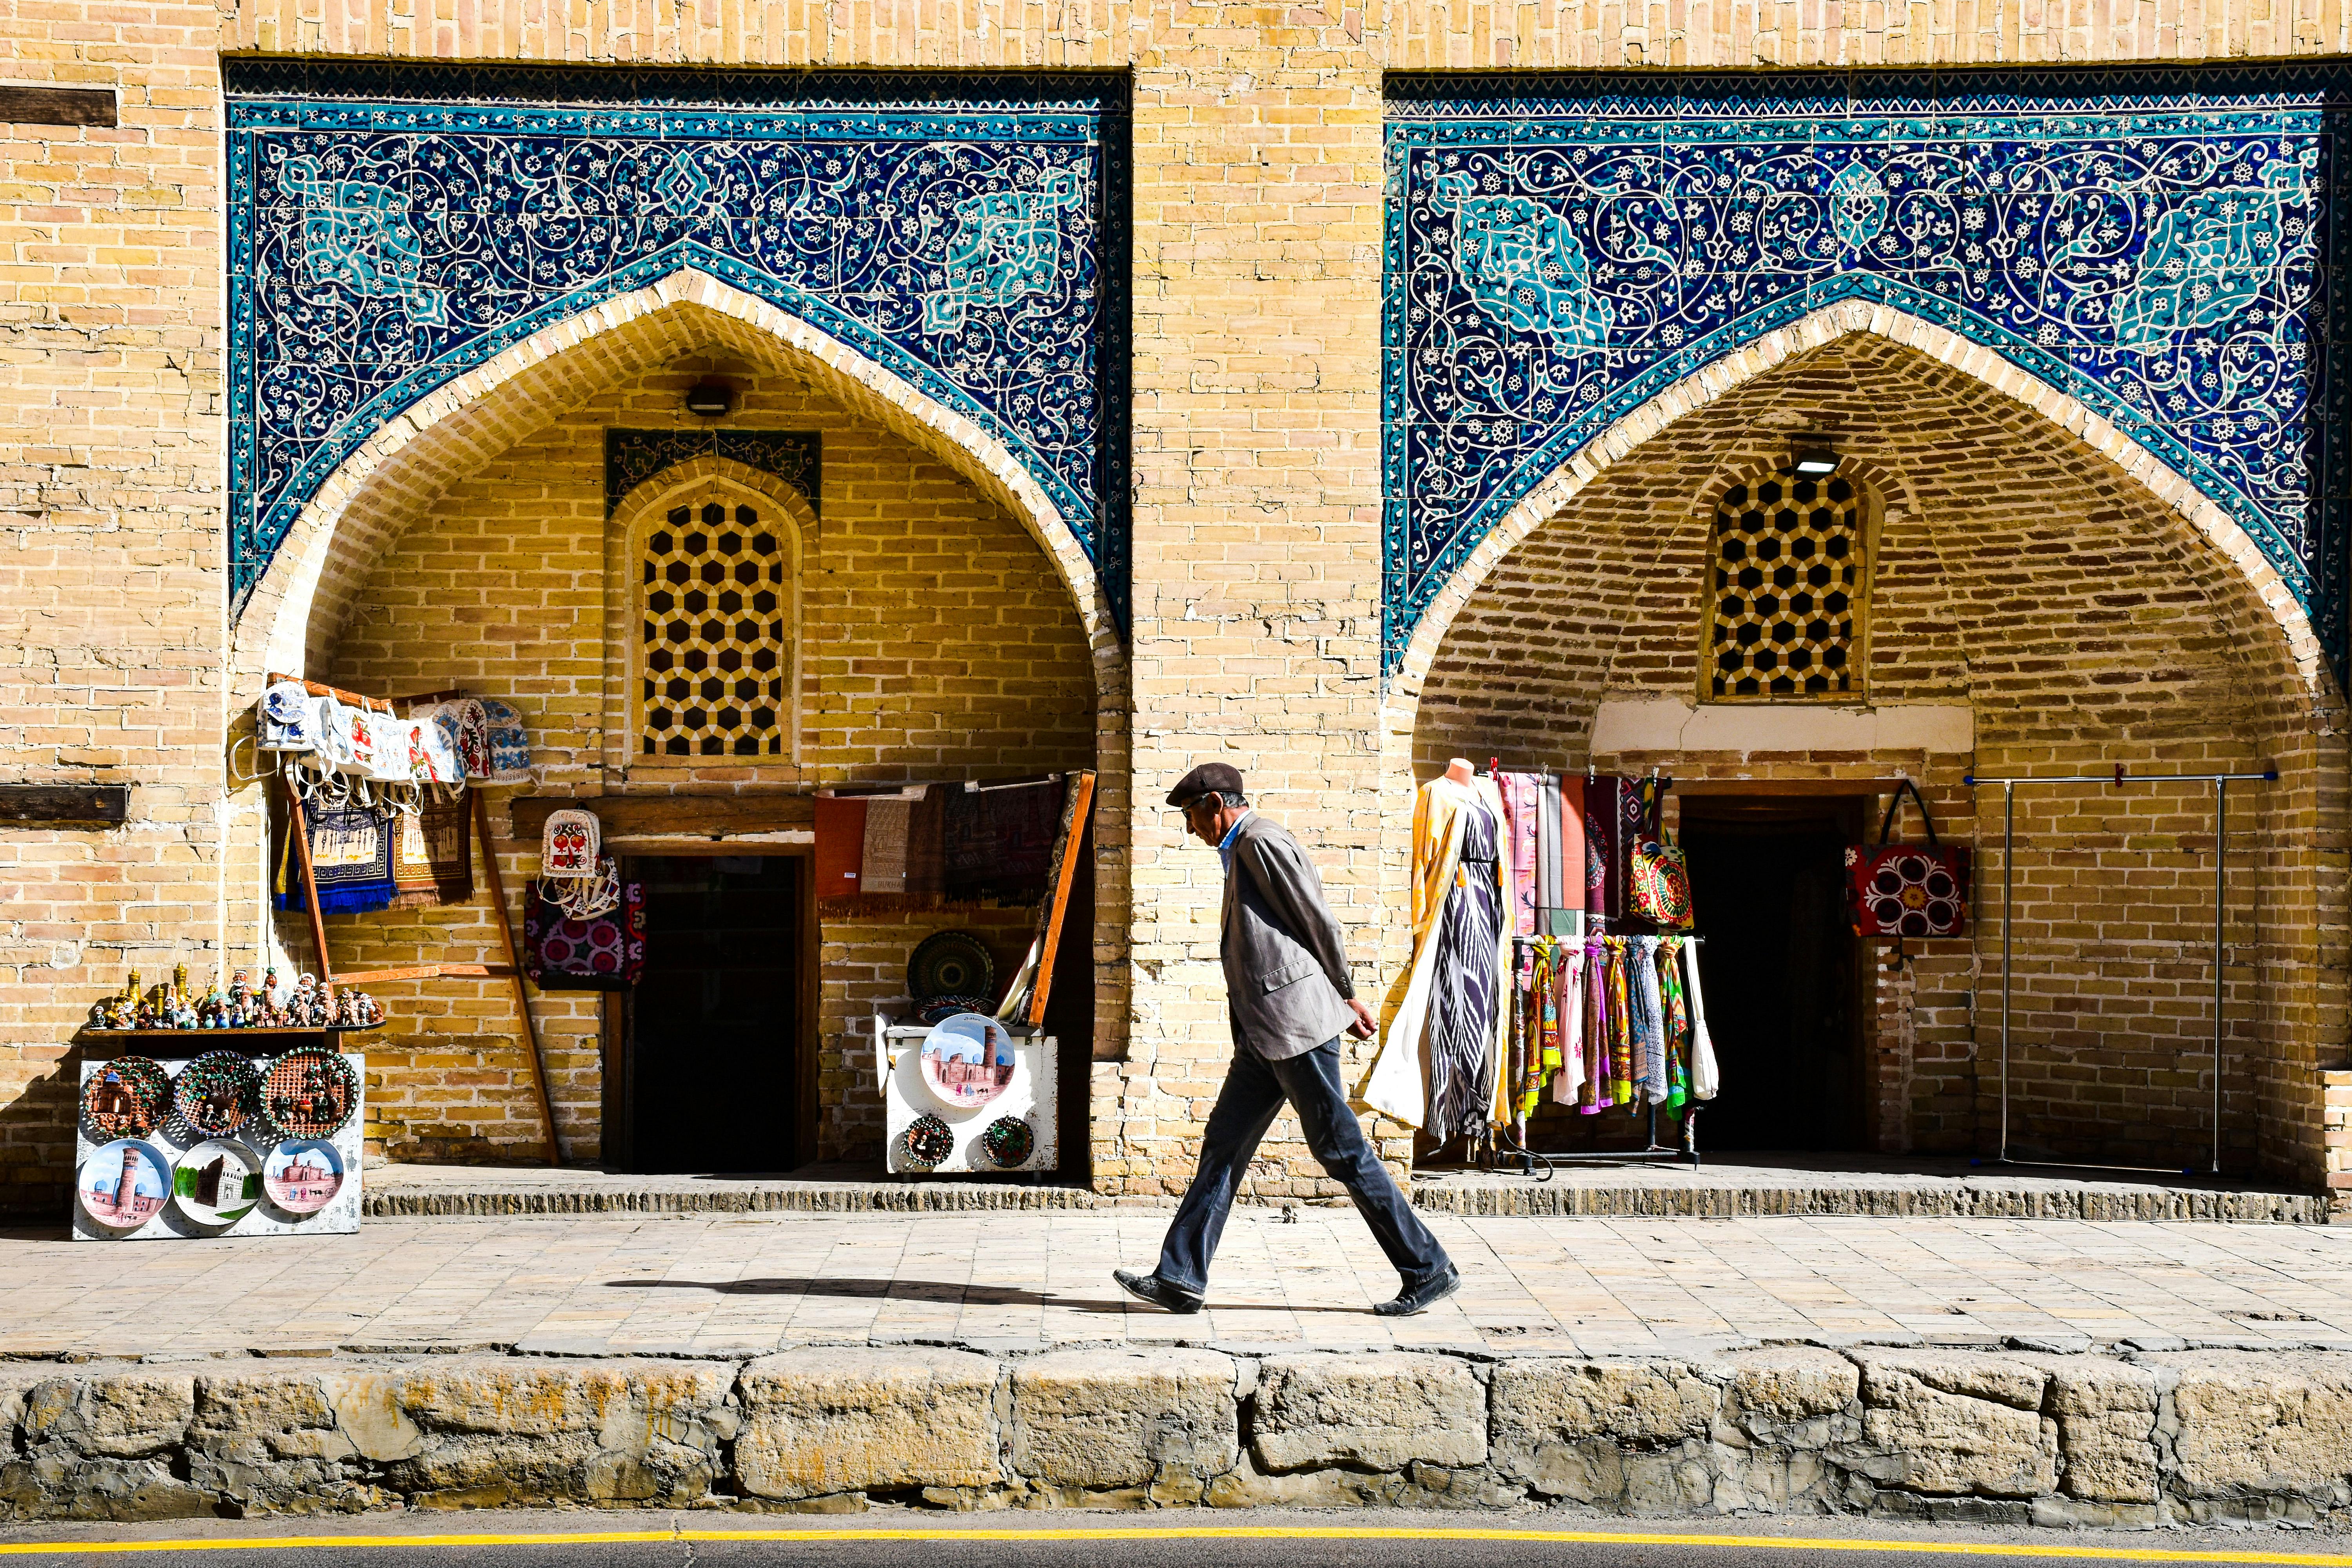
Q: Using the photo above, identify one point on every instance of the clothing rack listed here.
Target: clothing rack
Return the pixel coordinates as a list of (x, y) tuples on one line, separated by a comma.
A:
[(2118, 779), (297, 825)]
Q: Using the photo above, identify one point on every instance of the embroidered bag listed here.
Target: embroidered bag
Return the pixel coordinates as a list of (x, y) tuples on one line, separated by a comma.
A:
[(435, 758), (568, 845), (1907, 889), (468, 728), (288, 720), (606, 952), (510, 748), (1658, 885)]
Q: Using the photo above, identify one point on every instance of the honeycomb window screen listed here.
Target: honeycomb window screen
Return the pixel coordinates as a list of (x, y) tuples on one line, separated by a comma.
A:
[(1788, 591), (715, 611)]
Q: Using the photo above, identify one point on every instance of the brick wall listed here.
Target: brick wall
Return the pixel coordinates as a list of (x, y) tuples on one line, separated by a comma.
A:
[(937, 643), (2080, 623)]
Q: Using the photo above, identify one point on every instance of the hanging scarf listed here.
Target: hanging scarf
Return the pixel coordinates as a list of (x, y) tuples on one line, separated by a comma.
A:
[(1520, 797), (1527, 977), (1705, 1078), (1594, 1095), (1677, 1018), (1568, 1084), (1542, 1057), (1650, 1018), (1604, 872), (1621, 1026)]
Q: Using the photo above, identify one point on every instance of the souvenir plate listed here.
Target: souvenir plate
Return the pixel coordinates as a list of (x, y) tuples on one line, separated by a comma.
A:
[(302, 1175), (126, 1098), (123, 1184), (950, 963), (217, 1182), (968, 1060), (309, 1093), (217, 1093)]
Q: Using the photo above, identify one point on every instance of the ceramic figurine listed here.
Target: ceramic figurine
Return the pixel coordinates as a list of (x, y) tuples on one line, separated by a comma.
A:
[(273, 989), (179, 982), (240, 1000)]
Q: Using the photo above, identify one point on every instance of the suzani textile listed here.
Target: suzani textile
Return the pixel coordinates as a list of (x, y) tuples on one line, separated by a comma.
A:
[(1557, 259), (392, 227)]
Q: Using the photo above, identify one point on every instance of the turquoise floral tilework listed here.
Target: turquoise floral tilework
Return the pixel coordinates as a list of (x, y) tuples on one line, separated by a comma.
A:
[(392, 227), (1560, 251)]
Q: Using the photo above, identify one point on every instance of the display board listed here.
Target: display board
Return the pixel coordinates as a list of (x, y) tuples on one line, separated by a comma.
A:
[(178, 1181), (956, 1105)]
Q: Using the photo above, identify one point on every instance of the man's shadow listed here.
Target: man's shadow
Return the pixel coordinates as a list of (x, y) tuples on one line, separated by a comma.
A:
[(932, 1291)]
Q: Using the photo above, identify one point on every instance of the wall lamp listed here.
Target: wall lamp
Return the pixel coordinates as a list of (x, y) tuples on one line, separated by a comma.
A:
[(1815, 462), (709, 398)]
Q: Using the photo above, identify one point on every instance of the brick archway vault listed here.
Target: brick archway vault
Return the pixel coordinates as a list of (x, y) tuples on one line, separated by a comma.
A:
[(368, 501), (1661, 414)]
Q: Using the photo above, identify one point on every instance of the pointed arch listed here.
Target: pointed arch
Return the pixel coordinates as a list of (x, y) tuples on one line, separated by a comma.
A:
[(1777, 348), (362, 508)]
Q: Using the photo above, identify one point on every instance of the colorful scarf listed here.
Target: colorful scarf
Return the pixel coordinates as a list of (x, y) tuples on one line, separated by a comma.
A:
[(1568, 1086), (1677, 1022), (1649, 1016), (1595, 1095), (1605, 864), (1621, 1026), (1520, 801)]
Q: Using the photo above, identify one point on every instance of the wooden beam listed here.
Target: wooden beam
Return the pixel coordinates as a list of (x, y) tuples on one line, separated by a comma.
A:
[(298, 824), (106, 804), (348, 698), (56, 105), (1856, 787), (429, 971), (670, 815), (514, 971)]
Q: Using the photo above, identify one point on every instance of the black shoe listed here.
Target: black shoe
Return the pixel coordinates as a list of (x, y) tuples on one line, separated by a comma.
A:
[(1158, 1291), (1421, 1298)]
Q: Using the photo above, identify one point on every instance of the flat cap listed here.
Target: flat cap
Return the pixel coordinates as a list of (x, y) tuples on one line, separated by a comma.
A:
[(1222, 776)]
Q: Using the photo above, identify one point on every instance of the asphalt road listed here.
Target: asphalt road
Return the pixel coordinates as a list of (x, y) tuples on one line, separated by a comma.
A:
[(1188, 1539)]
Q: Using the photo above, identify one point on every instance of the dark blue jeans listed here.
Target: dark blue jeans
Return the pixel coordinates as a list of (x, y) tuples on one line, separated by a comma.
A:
[(1252, 1096)]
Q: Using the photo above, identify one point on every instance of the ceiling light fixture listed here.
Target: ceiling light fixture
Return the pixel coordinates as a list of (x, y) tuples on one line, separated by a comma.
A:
[(709, 398), (1815, 462)]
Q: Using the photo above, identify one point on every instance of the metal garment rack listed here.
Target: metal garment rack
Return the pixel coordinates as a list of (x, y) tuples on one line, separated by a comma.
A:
[(2220, 782), (1504, 1152)]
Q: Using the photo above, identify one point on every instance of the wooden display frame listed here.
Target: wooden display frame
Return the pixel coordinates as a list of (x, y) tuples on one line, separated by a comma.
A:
[(297, 825)]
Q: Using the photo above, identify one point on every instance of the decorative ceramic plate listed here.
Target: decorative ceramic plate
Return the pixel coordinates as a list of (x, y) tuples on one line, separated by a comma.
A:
[(939, 1009), (1008, 1141), (217, 1093), (126, 1098), (218, 1181), (950, 963), (122, 1184), (302, 1175), (309, 1093), (968, 1060), (928, 1140)]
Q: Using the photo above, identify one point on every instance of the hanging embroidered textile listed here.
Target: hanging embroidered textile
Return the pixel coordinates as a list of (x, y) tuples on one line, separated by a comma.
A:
[(1605, 869), (1659, 885), (1707, 1078), (1561, 821), (602, 953), (1000, 840), (433, 861), (1454, 1000), (1519, 804), (350, 858)]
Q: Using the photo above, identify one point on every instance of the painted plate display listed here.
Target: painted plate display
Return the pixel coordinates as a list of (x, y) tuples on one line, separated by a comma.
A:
[(126, 1098), (216, 1181), (968, 1060), (302, 1175), (928, 1140), (1008, 1141), (217, 1093), (939, 1009), (309, 1093), (950, 963), (123, 1183)]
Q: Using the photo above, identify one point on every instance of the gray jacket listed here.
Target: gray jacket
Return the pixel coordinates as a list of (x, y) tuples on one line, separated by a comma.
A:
[(1286, 969)]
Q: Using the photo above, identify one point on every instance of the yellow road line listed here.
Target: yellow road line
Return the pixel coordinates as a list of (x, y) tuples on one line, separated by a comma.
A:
[(2057, 1547)]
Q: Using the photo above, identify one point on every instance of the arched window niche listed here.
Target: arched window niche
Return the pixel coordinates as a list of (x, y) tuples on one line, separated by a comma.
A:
[(1786, 616), (708, 562)]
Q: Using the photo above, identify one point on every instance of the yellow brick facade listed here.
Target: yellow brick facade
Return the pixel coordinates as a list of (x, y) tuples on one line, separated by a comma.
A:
[(468, 545)]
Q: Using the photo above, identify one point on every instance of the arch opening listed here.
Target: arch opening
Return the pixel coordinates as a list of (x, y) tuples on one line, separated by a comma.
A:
[(2038, 606)]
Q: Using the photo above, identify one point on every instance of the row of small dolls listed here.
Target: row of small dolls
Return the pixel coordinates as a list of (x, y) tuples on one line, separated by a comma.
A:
[(307, 1004)]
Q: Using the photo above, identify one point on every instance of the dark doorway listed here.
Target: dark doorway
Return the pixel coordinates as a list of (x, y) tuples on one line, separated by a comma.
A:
[(711, 1084), (1782, 968)]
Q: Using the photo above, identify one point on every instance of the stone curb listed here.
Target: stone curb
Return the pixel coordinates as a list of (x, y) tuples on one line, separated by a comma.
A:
[(1630, 1201), (2016, 1437)]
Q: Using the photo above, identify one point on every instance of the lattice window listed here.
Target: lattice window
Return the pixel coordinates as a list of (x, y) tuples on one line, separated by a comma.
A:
[(1790, 586), (717, 617)]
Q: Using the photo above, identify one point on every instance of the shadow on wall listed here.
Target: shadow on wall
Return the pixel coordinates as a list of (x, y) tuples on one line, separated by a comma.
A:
[(35, 1127)]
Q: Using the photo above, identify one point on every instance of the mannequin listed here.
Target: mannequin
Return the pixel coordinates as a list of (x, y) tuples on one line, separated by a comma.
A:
[(1460, 771)]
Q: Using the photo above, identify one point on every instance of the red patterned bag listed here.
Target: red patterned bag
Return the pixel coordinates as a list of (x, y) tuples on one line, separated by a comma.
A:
[(604, 952), (1911, 890)]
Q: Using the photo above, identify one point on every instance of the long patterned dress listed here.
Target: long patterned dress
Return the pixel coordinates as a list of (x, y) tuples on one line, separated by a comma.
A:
[(1465, 996)]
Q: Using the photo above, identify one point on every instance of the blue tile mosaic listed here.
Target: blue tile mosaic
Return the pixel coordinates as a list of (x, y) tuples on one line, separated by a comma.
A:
[(1559, 251), (795, 456), (392, 227)]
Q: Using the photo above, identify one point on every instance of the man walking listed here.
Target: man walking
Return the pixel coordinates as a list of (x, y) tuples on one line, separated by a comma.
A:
[(1289, 999)]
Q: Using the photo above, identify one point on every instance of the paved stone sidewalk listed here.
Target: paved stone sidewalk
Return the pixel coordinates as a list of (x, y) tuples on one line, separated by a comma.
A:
[(719, 1285)]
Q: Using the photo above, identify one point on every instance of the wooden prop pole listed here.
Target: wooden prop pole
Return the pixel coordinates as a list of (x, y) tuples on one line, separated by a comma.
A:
[(298, 824), (514, 974)]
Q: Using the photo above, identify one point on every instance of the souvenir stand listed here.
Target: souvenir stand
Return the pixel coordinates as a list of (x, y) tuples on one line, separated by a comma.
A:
[(971, 1089), (187, 1134), (511, 971), (1503, 1146)]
